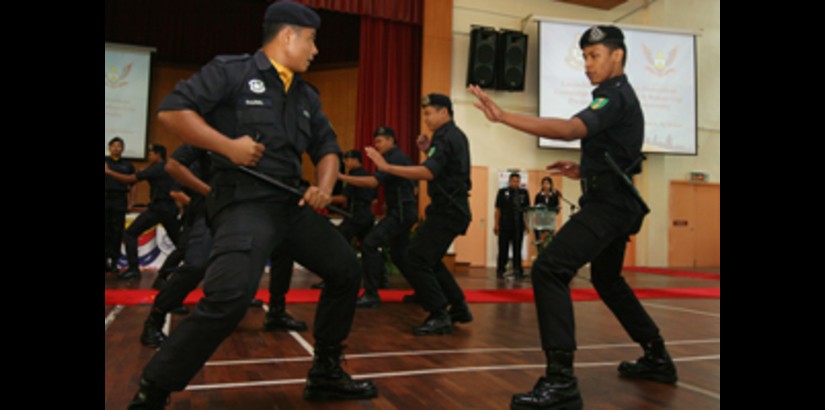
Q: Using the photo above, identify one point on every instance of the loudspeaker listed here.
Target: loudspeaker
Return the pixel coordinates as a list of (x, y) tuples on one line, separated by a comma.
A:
[(511, 60), (481, 69)]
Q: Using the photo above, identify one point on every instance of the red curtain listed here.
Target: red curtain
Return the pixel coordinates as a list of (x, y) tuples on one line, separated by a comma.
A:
[(406, 11), (389, 82), (389, 85)]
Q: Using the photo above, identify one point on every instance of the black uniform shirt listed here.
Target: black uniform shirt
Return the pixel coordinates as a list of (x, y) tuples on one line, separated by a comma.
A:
[(199, 163), (160, 183), (449, 161), (512, 203), (120, 166), (398, 192), (359, 199), (550, 200), (244, 95), (615, 124)]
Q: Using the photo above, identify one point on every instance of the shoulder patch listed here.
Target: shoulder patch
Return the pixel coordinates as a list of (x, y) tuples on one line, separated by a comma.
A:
[(431, 152), (599, 103), (230, 58)]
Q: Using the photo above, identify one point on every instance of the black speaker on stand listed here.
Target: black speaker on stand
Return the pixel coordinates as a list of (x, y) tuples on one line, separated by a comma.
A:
[(511, 58), (481, 69)]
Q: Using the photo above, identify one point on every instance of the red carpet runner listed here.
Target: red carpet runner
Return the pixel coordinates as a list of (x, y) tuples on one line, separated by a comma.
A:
[(146, 296)]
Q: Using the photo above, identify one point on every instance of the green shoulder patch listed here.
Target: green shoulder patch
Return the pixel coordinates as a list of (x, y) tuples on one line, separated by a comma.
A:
[(599, 103), (431, 151)]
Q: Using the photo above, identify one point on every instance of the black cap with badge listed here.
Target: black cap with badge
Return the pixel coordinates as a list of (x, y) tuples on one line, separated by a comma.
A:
[(289, 12), (602, 34)]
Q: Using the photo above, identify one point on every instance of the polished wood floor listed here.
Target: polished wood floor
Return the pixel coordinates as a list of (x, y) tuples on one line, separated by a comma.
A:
[(479, 366)]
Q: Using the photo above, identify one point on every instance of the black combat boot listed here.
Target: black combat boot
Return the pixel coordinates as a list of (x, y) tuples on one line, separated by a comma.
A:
[(152, 335), (149, 397), (438, 323), (278, 319), (558, 390), (460, 313), (328, 381), (368, 300), (655, 365)]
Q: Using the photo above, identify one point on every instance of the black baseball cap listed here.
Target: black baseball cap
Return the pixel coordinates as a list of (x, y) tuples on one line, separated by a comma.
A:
[(385, 131), (439, 100)]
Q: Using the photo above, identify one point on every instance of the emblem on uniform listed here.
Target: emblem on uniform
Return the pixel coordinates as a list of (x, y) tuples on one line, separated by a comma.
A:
[(599, 103), (431, 151), (596, 35), (306, 114), (256, 86)]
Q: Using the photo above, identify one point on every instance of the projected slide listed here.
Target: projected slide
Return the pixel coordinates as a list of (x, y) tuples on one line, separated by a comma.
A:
[(660, 67), (127, 97)]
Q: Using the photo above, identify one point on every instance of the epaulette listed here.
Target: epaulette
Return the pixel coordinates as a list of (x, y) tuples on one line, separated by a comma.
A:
[(313, 88)]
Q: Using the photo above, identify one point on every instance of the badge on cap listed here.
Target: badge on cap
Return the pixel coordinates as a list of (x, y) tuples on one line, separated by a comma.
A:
[(596, 34), (257, 86), (425, 101)]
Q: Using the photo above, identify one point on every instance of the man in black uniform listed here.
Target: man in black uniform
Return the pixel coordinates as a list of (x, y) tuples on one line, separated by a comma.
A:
[(510, 205), (116, 202), (611, 131), (448, 169), (190, 166), (394, 228), (162, 208), (221, 108)]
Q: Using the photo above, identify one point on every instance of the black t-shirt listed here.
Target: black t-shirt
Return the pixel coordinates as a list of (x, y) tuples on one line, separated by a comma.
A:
[(359, 200), (448, 159), (550, 200), (398, 192), (120, 166), (511, 204), (615, 124), (160, 183), (244, 95)]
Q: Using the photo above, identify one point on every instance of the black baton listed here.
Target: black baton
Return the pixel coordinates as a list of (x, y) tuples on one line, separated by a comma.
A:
[(618, 171), (274, 182)]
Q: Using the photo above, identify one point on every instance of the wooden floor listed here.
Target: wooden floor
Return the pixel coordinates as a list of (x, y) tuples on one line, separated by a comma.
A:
[(479, 366)]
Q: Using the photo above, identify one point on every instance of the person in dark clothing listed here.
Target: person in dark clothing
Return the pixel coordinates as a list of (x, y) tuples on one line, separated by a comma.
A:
[(611, 130), (257, 111), (190, 166), (511, 202), (394, 228), (162, 208), (116, 202), (447, 168), (548, 198)]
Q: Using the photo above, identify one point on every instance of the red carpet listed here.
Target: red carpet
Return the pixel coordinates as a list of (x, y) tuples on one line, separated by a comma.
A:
[(673, 272), (146, 296)]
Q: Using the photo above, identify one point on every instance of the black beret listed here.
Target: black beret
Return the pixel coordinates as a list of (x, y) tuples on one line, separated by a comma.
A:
[(601, 34), (292, 13), (386, 131), (353, 153), (440, 100)]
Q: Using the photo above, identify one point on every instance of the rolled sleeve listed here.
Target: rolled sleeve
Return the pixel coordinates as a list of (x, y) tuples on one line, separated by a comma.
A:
[(437, 162)]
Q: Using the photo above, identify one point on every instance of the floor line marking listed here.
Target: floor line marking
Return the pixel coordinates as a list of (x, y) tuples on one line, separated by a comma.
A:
[(111, 316), (444, 352), (697, 389), (167, 325), (298, 338), (423, 372), (680, 309)]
